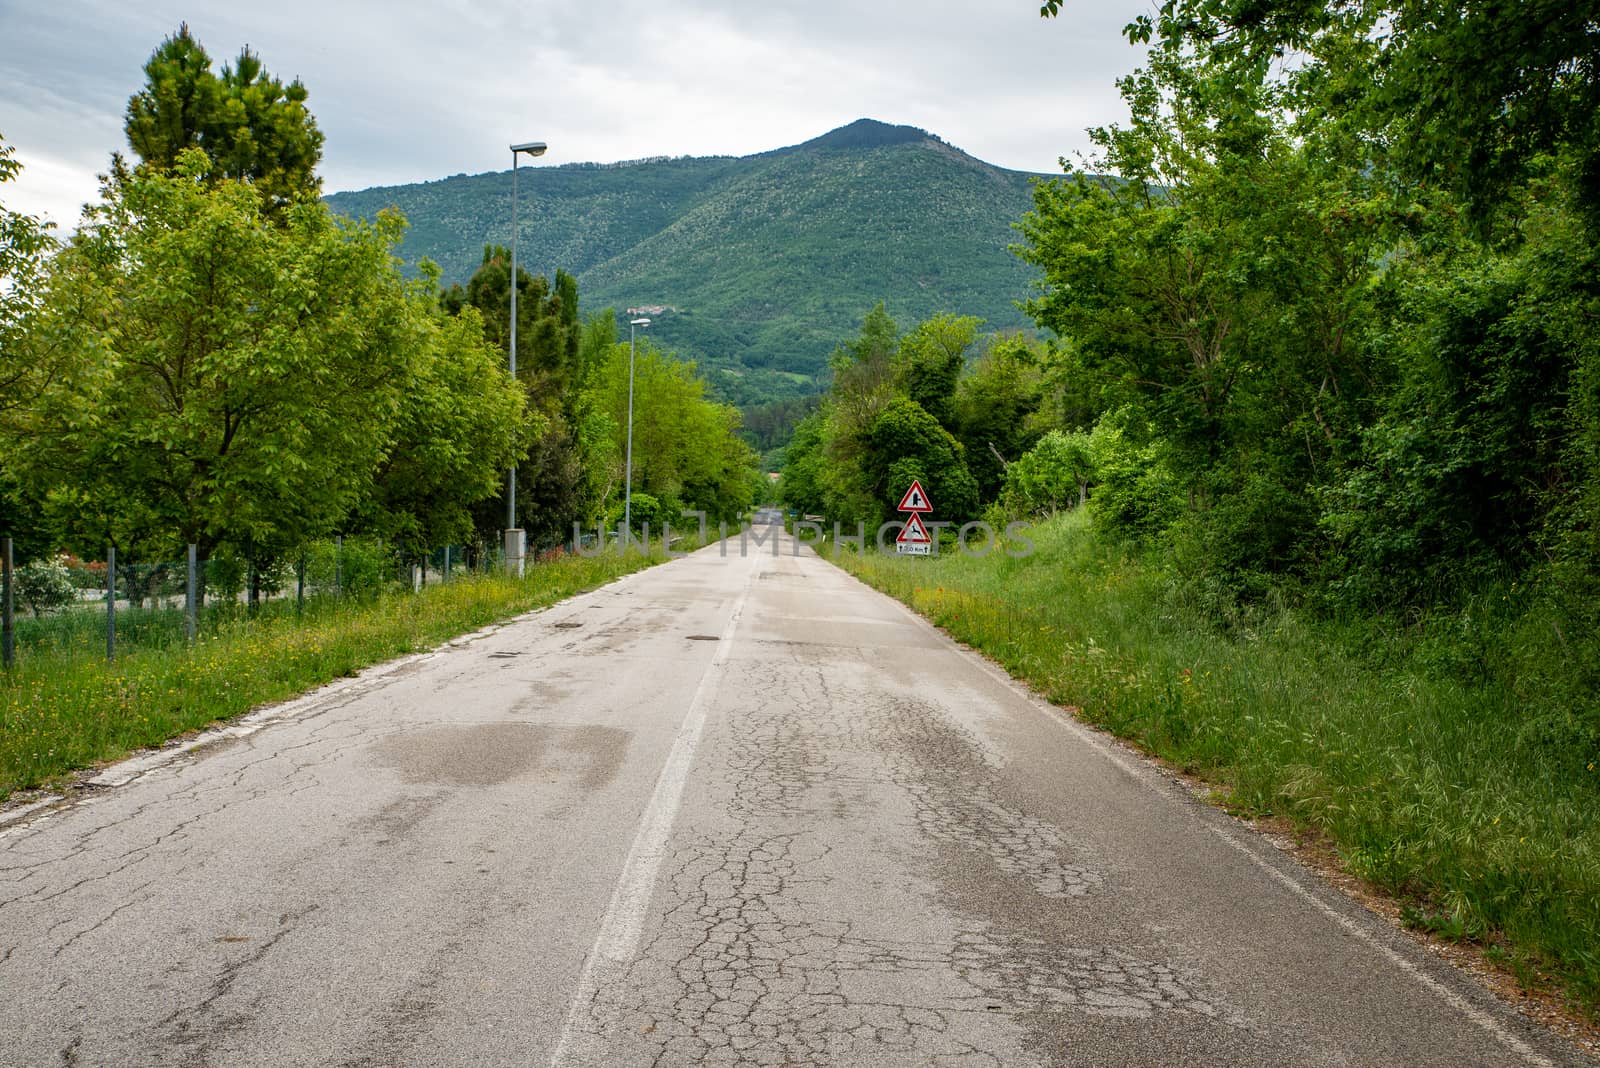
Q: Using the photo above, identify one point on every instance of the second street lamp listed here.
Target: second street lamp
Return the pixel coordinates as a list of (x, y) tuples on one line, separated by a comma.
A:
[(516, 546), (627, 492)]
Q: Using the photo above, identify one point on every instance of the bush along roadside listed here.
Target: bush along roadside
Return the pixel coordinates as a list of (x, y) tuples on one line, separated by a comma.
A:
[(1418, 773), (69, 709)]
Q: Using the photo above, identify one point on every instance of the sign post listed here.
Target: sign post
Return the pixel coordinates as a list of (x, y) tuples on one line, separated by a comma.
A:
[(913, 539)]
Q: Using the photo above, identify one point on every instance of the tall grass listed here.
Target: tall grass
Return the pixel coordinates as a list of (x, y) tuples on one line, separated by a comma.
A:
[(63, 707), (1418, 770)]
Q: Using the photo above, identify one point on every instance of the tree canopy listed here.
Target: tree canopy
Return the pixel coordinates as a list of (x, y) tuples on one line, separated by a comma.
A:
[(876, 429), (214, 358), (1342, 279), (25, 245), (252, 126), (1468, 96), (233, 381), (687, 452)]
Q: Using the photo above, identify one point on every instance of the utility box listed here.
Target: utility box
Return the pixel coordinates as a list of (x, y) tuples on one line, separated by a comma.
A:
[(516, 551)]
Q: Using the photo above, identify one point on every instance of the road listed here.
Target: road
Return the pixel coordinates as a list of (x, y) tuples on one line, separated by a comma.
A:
[(730, 810)]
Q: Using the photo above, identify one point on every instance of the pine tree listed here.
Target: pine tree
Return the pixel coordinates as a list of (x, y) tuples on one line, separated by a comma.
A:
[(252, 125)]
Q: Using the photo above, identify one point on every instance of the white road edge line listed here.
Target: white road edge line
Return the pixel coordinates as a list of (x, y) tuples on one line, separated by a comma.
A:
[(623, 923), (1351, 927), (1066, 721)]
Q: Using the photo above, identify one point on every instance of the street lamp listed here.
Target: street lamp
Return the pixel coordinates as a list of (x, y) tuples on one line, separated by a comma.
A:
[(627, 493), (516, 546)]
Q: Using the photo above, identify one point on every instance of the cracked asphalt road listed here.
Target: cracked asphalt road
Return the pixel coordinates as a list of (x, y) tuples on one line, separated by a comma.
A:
[(728, 811)]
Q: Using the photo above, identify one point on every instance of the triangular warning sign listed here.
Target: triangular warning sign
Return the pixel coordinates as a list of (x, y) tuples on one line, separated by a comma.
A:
[(914, 531), (915, 500)]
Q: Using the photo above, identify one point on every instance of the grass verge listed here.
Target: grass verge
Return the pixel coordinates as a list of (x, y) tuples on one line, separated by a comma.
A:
[(63, 707), (1417, 776)]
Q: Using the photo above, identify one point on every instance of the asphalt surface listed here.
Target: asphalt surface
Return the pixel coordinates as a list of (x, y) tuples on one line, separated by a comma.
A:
[(731, 810)]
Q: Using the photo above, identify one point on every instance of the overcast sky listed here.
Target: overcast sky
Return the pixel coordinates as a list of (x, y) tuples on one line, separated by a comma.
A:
[(408, 91)]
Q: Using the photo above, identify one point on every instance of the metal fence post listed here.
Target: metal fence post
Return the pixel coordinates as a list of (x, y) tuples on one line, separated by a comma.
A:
[(111, 604), (191, 602), (446, 564), (338, 565), (300, 585), (8, 634)]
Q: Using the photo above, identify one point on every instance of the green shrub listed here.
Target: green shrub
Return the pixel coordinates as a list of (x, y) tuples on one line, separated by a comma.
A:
[(45, 585), (1053, 475), (1136, 492), (225, 574)]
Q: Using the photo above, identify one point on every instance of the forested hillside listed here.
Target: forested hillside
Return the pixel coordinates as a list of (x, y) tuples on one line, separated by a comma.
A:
[(760, 263)]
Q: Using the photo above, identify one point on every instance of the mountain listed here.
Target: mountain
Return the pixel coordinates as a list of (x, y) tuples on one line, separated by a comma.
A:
[(760, 265)]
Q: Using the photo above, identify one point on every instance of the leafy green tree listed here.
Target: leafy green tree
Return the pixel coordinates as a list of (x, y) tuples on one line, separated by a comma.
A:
[(25, 245), (594, 429), (856, 455), (995, 409), (907, 443), (1054, 474), (549, 333), (646, 511), (234, 381), (253, 127), (1072, 395), (802, 484), (864, 373), (863, 385), (1232, 282), (1466, 95), (458, 427), (687, 452), (552, 487), (24, 518), (930, 362), (1483, 460), (768, 426), (1138, 491)]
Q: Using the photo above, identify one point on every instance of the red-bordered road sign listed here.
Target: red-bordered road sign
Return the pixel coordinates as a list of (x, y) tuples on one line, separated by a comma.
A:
[(915, 500), (913, 532)]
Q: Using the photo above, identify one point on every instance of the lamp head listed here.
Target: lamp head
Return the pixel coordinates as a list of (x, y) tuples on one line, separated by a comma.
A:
[(639, 322), (532, 148)]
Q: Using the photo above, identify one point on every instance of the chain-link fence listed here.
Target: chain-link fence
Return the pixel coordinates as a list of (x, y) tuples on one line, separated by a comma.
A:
[(66, 603)]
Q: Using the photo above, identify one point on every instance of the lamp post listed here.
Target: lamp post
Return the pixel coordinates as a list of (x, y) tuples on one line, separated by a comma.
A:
[(516, 546), (627, 493)]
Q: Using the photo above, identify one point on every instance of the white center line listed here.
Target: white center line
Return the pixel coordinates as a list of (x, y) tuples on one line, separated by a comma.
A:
[(623, 924)]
